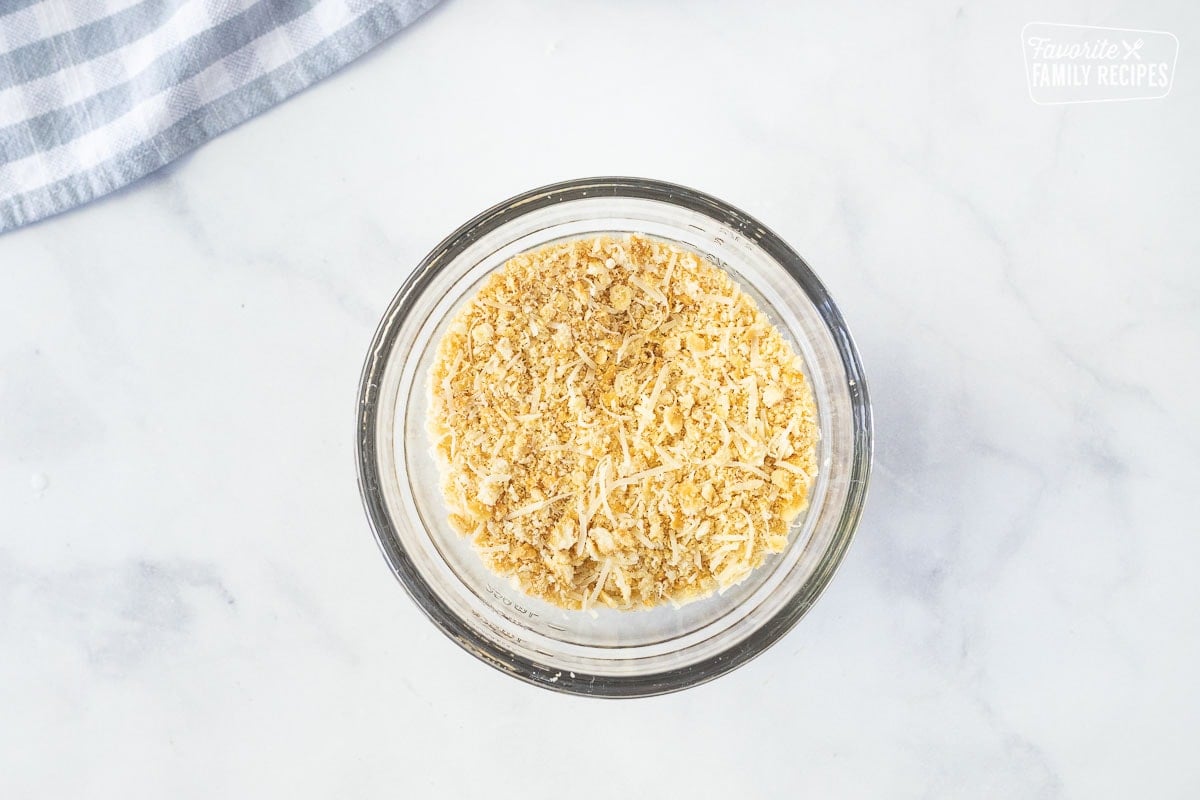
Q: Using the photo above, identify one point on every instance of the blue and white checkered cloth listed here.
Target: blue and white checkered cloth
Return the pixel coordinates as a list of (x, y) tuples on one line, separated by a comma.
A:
[(95, 94)]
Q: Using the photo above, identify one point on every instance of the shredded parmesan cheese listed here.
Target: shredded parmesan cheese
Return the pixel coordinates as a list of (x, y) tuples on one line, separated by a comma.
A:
[(618, 424)]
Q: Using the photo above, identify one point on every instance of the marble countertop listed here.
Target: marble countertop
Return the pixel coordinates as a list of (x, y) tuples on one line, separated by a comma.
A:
[(191, 601)]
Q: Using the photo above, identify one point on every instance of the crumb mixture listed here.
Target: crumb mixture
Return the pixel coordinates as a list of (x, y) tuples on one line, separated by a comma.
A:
[(619, 424)]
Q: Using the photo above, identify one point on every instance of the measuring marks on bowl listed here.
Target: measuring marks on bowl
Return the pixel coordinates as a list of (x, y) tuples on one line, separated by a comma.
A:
[(510, 604)]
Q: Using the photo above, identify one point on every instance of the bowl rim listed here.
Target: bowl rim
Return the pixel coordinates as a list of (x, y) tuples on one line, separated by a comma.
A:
[(402, 566)]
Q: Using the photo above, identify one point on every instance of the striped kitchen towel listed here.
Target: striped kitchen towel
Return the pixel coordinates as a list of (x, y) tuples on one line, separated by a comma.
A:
[(95, 94)]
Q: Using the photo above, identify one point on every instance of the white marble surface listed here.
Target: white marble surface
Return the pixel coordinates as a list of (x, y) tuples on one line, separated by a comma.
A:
[(191, 603)]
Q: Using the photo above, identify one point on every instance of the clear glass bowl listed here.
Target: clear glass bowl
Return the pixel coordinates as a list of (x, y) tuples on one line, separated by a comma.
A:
[(605, 652)]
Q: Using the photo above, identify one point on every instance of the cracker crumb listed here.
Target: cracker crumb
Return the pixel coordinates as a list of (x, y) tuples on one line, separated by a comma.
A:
[(618, 424)]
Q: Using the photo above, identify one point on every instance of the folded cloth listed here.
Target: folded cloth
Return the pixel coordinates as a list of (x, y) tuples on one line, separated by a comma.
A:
[(95, 94)]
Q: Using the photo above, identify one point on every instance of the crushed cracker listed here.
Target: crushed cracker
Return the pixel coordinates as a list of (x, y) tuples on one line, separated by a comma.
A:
[(618, 424)]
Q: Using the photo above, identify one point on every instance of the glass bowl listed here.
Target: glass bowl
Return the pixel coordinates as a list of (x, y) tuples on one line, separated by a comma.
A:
[(604, 652)]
